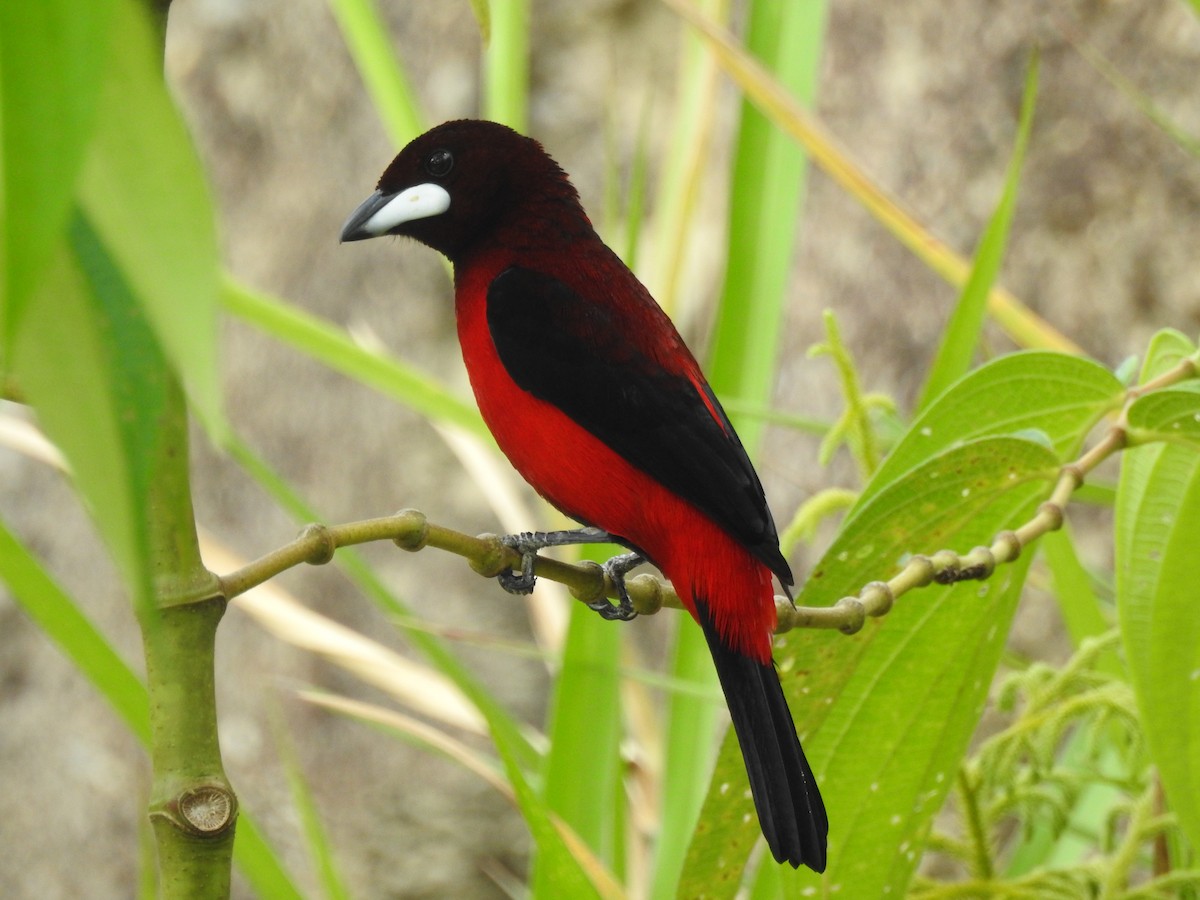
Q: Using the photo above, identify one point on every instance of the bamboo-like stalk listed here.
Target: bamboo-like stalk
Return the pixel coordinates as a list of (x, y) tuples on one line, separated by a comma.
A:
[(192, 806)]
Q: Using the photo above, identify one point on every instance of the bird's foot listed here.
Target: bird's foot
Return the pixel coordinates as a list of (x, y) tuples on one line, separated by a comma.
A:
[(528, 543), (616, 569)]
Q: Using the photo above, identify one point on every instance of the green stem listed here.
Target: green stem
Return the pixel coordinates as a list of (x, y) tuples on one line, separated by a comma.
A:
[(975, 827), (192, 806)]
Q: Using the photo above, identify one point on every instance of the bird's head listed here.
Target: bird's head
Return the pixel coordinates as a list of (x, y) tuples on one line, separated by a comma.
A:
[(458, 183)]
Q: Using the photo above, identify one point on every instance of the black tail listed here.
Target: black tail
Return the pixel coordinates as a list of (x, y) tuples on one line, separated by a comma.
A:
[(790, 809)]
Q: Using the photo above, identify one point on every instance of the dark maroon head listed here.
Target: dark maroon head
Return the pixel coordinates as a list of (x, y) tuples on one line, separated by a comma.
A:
[(459, 184)]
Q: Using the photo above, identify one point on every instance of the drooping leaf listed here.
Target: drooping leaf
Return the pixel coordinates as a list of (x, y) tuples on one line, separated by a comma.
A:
[(1157, 532), (144, 192), (891, 709), (92, 369), (1171, 414), (50, 52), (1036, 391)]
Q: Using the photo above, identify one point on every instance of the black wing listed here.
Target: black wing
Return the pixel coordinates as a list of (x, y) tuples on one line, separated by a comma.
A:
[(580, 357)]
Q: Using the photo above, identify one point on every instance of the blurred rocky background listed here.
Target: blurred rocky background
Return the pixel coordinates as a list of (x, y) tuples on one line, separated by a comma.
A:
[(924, 94)]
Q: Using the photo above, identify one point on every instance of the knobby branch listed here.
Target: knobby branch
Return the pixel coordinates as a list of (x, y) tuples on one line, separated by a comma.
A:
[(586, 581)]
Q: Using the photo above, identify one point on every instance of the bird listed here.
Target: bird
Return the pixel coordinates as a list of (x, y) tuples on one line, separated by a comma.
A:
[(592, 394)]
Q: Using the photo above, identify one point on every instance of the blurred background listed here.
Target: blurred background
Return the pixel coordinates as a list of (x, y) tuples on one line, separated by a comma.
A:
[(923, 94)]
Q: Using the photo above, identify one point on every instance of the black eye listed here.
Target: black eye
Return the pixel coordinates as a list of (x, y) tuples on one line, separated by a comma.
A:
[(439, 163)]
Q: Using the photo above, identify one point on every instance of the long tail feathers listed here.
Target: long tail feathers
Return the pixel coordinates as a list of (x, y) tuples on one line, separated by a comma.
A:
[(790, 809)]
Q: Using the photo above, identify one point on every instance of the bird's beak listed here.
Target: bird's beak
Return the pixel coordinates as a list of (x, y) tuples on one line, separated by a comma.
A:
[(356, 227), (381, 213)]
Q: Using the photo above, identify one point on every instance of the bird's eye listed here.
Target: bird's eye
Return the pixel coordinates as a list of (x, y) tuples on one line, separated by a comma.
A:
[(439, 163)]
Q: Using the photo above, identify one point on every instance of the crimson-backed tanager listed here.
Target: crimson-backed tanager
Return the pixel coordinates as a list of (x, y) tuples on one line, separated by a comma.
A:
[(593, 396)]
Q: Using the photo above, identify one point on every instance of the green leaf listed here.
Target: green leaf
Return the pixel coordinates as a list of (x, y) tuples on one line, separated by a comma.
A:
[(1157, 532), (961, 334), (93, 371), (1054, 396), (57, 614), (766, 191), (144, 192), (334, 348), (1077, 600), (60, 617), (886, 714), (50, 52), (1170, 414), (1167, 349), (315, 837), (585, 737), (1059, 395)]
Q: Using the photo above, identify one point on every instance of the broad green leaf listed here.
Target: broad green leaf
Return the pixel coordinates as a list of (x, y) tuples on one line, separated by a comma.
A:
[(1167, 349), (50, 52), (93, 371), (1171, 414), (60, 617), (1157, 532), (144, 192), (333, 346), (1035, 391), (961, 334), (886, 714)]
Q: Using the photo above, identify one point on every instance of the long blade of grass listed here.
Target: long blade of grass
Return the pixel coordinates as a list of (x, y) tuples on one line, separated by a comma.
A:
[(1024, 326), (336, 349), (602, 884), (1151, 110), (367, 39), (61, 619), (961, 335), (49, 606), (583, 763), (766, 193), (691, 131), (316, 839)]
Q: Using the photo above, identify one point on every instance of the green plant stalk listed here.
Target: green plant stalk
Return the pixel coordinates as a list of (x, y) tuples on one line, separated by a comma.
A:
[(688, 150), (192, 806), (506, 88), (767, 192), (982, 861), (366, 38), (582, 771)]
